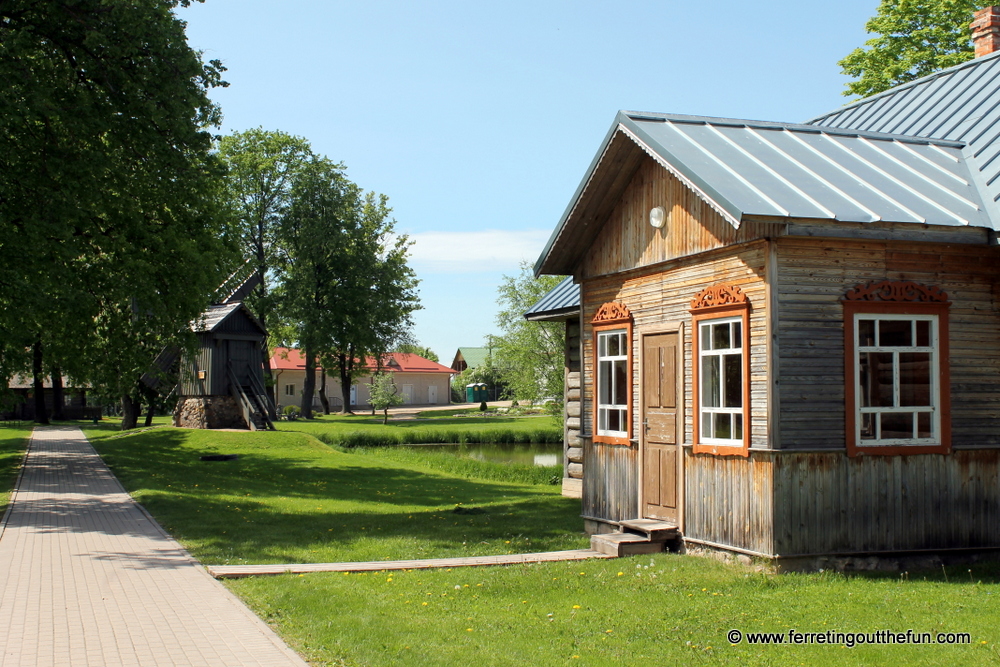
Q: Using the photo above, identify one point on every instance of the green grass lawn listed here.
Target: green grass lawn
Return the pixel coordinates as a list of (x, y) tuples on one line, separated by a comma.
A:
[(649, 610), (290, 498), (13, 442), (366, 430)]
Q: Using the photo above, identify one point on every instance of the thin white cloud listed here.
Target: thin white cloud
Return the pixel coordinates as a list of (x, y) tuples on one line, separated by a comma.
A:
[(465, 252)]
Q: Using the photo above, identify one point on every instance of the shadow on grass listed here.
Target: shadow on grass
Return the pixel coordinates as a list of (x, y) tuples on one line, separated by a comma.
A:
[(277, 500)]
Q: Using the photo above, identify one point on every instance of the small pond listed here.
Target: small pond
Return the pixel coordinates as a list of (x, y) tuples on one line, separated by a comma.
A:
[(525, 454)]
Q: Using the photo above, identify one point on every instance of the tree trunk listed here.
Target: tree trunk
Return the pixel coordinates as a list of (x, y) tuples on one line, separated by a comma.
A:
[(322, 392), (57, 394), (131, 408), (385, 416), (309, 384), (345, 384), (41, 413), (151, 410)]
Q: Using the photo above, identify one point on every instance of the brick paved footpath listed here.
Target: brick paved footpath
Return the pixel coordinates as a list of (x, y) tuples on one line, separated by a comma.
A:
[(88, 578)]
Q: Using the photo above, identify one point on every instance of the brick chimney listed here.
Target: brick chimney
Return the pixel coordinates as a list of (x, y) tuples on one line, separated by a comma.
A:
[(986, 31)]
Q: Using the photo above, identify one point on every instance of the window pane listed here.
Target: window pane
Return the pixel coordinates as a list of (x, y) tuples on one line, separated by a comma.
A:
[(706, 425), (914, 378), (720, 336), (710, 381), (604, 380), (866, 333), (875, 379), (734, 380), (923, 333), (602, 345), (722, 425), (613, 422), (602, 419), (895, 333), (897, 425), (706, 337), (868, 426), (623, 420), (737, 335), (737, 427), (613, 346), (621, 382), (924, 428)]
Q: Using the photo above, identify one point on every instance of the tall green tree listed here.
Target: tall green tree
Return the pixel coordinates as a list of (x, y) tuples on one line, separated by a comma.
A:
[(345, 286), (108, 188), (263, 167), (530, 356), (914, 38)]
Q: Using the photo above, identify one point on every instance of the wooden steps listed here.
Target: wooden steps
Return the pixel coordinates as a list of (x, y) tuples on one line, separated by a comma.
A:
[(236, 571), (637, 536)]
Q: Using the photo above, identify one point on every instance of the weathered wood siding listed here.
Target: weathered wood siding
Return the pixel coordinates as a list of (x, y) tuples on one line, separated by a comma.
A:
[(828, 503), (812, 277), (729, 500), (656, 297), (201, 360), (627, 241), (611, 482)]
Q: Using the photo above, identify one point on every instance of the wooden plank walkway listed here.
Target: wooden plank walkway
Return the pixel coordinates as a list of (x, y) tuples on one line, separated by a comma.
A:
[(235, 571)]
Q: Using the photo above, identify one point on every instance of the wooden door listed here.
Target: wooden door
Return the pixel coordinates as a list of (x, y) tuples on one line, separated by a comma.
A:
[(432, 394), (660, 418)]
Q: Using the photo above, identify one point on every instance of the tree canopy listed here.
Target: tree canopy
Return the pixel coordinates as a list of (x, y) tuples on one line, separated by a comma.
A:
[(345, 289), (530, 356), (262, 169), (110, 232), (914, 38)]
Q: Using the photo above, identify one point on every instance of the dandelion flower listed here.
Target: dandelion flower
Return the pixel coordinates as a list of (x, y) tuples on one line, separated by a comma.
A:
[(576, 606), (621, 574), (423, 604)]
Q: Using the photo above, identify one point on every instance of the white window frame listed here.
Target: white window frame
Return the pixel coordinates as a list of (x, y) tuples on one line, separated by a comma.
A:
[(289, 390), (935, 380), (603, 409), (722, 352)]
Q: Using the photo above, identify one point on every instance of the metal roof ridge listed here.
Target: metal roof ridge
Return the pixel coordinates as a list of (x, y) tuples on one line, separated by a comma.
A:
[(972, 62), (792, 127)]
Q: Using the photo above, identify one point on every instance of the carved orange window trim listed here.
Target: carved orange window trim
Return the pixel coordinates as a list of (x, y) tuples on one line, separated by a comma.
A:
[(896, 297), (612, 316), (715, 303)]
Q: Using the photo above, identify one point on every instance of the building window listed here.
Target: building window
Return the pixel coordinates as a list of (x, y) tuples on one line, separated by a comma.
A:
[(721, 344), (289, 390), (612, 383), (720, 368), (613, 374), (896, 336)]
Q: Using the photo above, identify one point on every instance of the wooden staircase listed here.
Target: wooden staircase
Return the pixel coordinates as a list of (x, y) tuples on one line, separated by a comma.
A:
[(636, 536)]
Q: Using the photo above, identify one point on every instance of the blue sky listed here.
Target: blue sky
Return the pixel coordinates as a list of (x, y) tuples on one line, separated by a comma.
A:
[(479, 119)]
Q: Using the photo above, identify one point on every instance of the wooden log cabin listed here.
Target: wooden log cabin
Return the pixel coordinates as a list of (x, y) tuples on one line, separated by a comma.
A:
[(790, 333)]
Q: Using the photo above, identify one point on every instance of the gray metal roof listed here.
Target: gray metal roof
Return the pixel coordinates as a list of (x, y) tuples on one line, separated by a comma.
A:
[(961, 103), (214, 316), (561, 302), (774, 171), (784, 170)]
